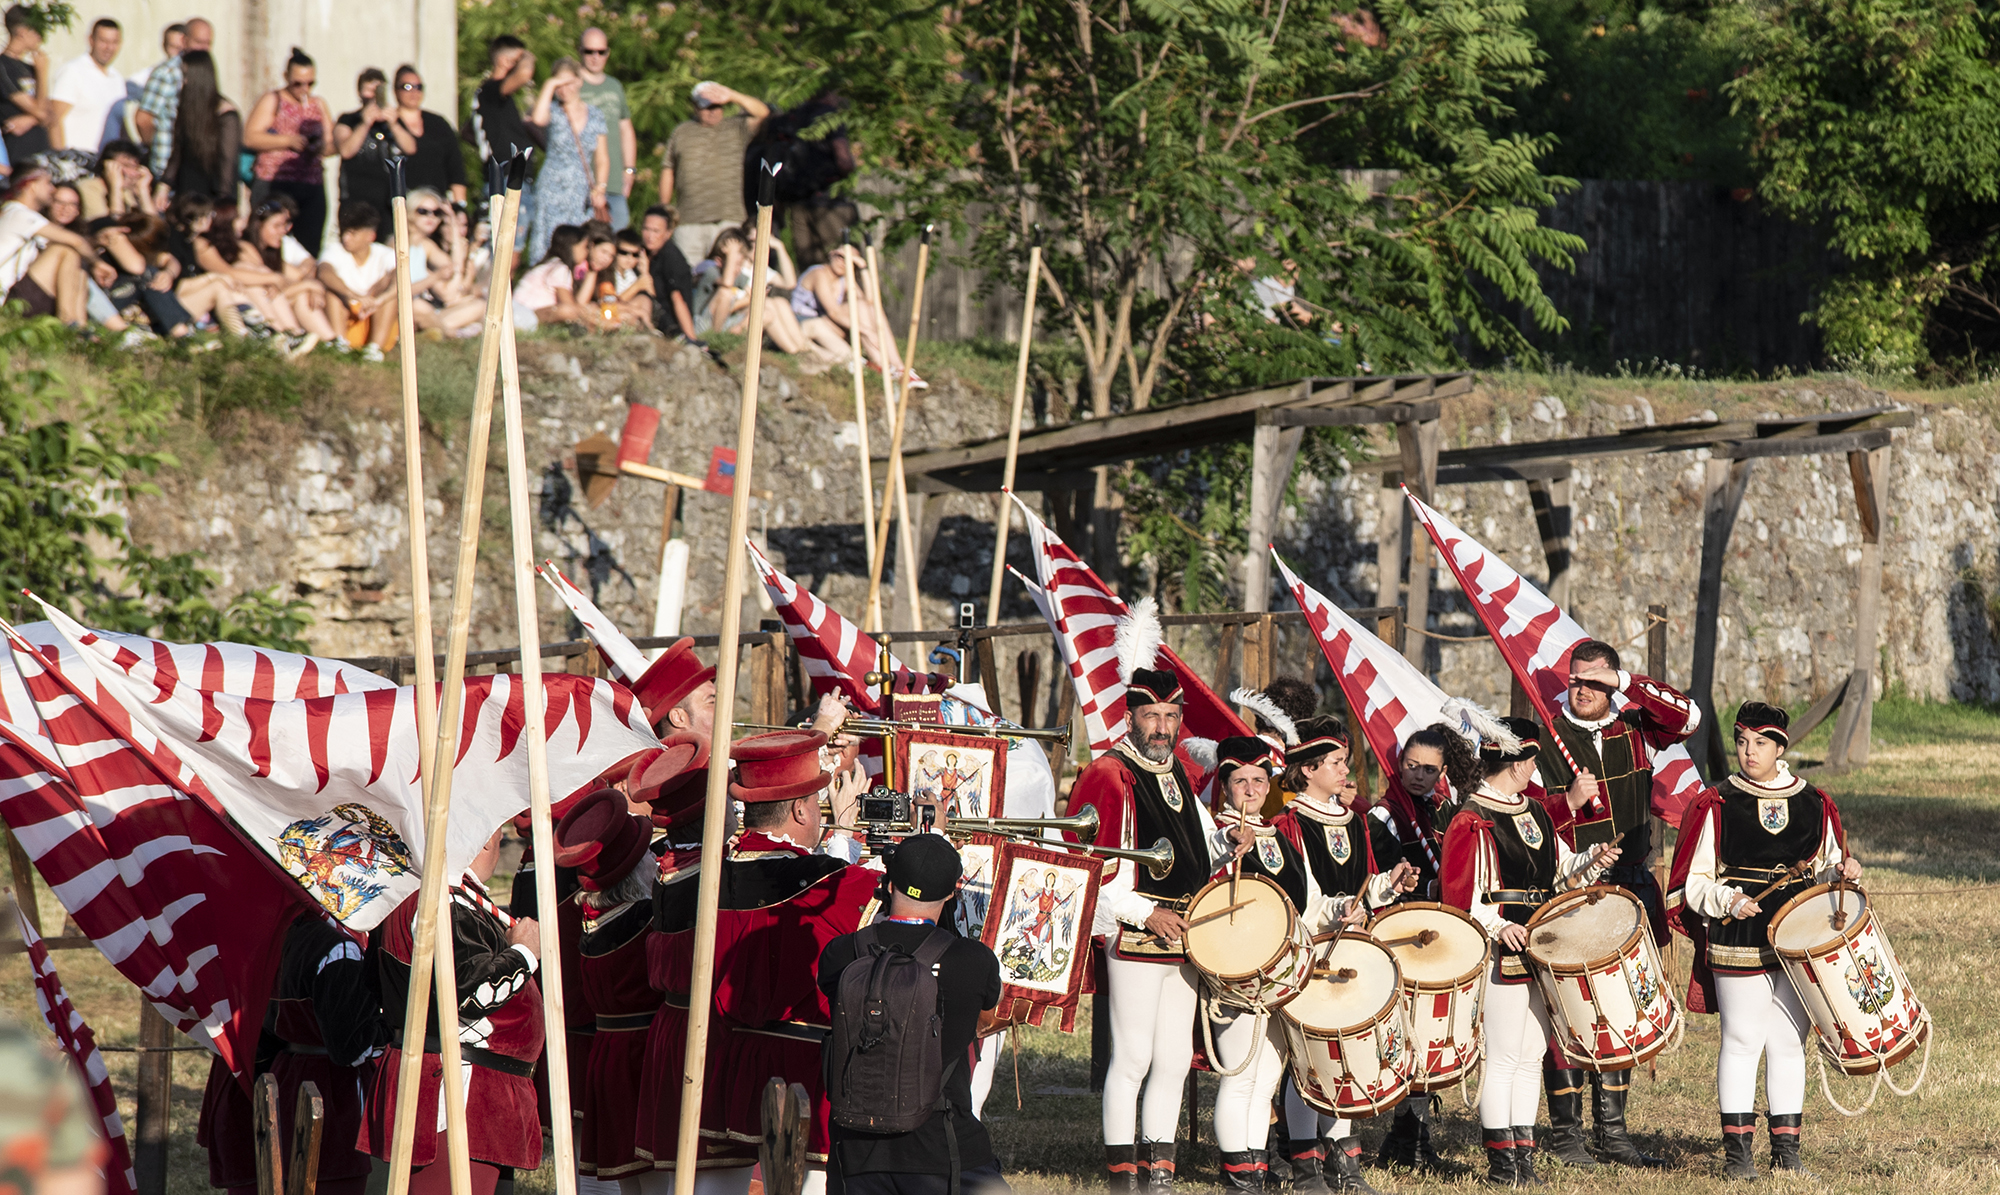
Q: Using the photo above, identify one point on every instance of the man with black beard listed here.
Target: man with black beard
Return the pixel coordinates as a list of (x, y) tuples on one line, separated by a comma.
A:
[(1141, 793)]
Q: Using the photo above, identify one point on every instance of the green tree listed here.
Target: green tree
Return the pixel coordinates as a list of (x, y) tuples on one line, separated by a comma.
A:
[(1878, 119)]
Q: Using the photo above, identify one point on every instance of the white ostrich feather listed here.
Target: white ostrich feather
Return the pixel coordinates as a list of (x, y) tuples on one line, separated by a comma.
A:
[(1477, 723), (1200, 750), (1139, 638), (1269, 711)]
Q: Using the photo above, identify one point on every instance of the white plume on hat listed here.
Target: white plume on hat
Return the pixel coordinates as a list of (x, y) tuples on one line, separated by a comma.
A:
[(1476, 722), (1268, 710), (1139, 638), (1202, 751)]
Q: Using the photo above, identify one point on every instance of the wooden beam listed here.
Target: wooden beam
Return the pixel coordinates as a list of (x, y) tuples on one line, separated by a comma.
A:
[(1870, 472), (1418, 443), (308, 1128), (1550, 499), (1392, 520), (989, 679), (268, 1144), (1274, 448), (1849, 442), (1723, 488), (1389, 412), (155, 1092), (1475, 474), (1829, 701)]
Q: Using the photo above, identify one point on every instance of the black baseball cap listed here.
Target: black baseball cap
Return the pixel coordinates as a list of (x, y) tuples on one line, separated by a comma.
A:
[(925, 867)]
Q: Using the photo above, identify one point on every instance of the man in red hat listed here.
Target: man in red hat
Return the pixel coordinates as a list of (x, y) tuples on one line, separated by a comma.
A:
[(783, 899), (1141, 792), (678, 691)]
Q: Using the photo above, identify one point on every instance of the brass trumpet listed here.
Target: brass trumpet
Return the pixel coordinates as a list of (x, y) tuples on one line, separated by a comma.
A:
[(1083, 824), (883, 727)]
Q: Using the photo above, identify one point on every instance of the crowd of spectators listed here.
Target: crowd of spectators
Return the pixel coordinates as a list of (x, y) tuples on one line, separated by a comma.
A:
[(158, 205)]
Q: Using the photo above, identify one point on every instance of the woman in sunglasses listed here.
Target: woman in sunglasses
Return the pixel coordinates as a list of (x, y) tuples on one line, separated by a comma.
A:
[(447, 298), (435, 161), (617, 283)]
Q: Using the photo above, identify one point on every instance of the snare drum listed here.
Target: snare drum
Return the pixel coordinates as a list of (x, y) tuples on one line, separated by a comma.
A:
[(1593, 955), (1443, 956), (1257, 957), (1862, 1006), (1349, 1037)]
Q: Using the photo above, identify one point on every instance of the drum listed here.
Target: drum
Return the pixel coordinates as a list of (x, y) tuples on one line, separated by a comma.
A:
[(1349, 1032), (1862, 1005), (1443, 956), (1593, 954), (1257, 957)]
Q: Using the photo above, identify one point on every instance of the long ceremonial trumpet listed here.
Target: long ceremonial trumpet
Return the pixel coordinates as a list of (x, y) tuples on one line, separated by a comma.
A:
[(879, 727), (1084, 823)]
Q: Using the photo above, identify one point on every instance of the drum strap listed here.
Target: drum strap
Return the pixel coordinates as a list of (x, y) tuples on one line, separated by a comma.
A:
[(1532, 897)]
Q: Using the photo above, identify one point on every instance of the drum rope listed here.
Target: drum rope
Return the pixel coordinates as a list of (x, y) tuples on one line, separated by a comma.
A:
[(1208, 1036), (1826, 1088), (1923, 1068)]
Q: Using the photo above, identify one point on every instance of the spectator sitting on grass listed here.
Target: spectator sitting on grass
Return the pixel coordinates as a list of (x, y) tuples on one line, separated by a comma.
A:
[(547, 293), (66, 211), (448, 299), (268, 245), (362, 274), (134, 244), (202, 293), (219, 252), (826, 306), (729, 307), (43, 264), (618, 284), (128, 184), (673, 281)]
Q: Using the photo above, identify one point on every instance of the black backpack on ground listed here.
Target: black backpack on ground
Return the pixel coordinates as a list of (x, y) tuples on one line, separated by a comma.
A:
[(885, 1066)]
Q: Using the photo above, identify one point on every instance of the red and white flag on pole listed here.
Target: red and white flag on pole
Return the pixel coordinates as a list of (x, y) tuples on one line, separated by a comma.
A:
[(627, 663), (836, 653), (1535, 637), (81, 1046), (1085, 616), (327, 786)]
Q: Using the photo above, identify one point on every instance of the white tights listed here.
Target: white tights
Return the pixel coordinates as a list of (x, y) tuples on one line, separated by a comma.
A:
[(1761, 1017), (1243, 1101), (1303, 1122), (986, 1059), (1152, 1043), (1517, 1035)]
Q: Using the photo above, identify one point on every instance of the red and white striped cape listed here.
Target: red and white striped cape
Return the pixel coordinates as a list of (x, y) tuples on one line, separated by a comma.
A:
[(81, 1045), (1535, 636)]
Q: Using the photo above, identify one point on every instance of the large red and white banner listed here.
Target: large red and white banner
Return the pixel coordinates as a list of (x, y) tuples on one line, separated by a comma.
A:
[(81, 1045), (627, 663), (1535, 637), (836, 653)]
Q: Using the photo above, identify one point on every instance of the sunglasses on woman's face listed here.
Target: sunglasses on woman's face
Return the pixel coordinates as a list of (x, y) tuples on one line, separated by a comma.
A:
[(427, 211), (628, 253), (409, 87)]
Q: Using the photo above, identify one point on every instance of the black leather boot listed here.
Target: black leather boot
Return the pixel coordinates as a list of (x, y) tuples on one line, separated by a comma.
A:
[(1399, 1145), (1344, 1167), (1156, 1158), (1500, 1168), (1240, 1172), (1308, 1167), (1428, 1160), (1524, 1157), (1739, 1143), (1785, 1143), (1608, 1092), (1121, 1168), (1565, 1142)]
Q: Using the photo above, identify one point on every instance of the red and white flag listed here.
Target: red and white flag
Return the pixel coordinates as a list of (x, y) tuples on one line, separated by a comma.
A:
[(836, 653), (627, 663), (1085, 616), (81, 1046), (327, 786), (1535, 636)]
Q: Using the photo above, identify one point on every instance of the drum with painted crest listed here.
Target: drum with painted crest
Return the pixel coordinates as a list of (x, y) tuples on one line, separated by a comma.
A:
[(1349, 1031), (1257, 956), (1610, 1001), (1443, 956), (1839, 961)]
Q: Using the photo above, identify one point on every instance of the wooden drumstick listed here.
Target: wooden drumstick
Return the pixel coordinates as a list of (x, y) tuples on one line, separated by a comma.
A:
[(1235, 874), (1229, 912), (1840, 905), (1790, 875), (1420, 939)]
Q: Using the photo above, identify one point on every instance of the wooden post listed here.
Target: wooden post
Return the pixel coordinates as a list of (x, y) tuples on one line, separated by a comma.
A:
[(989, 680), (1519, 705), (1267, 650), (893, 478), (431, 956), (1392, 515), (856, 303), (308, 1129), (1389, 629), (1272, 451), (1851, 731), (1419, 445), (1722, 497), (1251, 672), (701, 986), (1552, 516), (155, 1092), (1028, 674), (268, 1144), (1104, 506), (1003, 502), (1225, 659), (23, 870), (905, 538)]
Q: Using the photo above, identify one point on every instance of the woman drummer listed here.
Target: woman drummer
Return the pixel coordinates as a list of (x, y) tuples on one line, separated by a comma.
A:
[(1341, 851), (1737, 840), (1502, 858)]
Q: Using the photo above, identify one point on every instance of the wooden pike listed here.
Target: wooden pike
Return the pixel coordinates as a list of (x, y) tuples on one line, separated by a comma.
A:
[(906, 547), (880, 315), (1003, 510), (708, 893), (855, 302), (431, 956), (527, 620)]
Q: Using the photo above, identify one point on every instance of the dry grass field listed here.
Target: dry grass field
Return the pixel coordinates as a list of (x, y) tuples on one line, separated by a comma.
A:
[(1925, 818)]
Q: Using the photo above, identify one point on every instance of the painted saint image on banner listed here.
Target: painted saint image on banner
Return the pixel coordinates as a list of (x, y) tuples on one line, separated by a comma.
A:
[(975, 895), (1041, 924), (959, 778)]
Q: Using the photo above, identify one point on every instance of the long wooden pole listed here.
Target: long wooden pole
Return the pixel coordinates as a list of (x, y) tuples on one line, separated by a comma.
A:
[(856, 302), (430, 946), (528, 623), (1003, 504), (880, 315), (708, 894), (905, 537)]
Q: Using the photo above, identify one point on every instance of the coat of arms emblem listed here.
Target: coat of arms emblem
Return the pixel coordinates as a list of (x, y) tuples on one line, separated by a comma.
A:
[(1270, 854), (1337, 844), (338, 856), (1774, 813), (1529, 829)]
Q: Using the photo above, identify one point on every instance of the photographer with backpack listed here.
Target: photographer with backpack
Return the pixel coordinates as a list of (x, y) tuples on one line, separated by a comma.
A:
[(906, 995)]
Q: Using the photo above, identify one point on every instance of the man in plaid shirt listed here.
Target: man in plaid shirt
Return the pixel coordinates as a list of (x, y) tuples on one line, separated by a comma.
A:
[(161, 99)]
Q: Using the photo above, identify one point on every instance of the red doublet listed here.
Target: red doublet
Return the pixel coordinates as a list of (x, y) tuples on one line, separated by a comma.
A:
[(1107, 786), (613, 975)]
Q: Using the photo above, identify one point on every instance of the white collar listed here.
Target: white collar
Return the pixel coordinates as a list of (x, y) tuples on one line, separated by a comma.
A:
[(1332, 815), (1495, 799), (1593, 725), (1784, 784)]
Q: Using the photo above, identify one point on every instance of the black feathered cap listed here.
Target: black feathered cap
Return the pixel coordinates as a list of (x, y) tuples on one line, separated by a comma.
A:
[(1244, 751), (1152, 686), (1317, 736), (1767, 720), (1529, 738)]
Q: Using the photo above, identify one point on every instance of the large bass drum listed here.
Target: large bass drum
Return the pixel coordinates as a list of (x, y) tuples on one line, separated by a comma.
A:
[(1839, 961), (1349, 1032), (1257, 957), (1443, 956), (1608, 995)]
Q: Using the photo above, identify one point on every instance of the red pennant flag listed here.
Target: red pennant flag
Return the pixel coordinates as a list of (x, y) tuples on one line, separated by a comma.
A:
[(81, 1046)]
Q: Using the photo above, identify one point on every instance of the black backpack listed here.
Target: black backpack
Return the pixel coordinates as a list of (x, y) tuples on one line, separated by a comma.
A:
[(885, 1068)]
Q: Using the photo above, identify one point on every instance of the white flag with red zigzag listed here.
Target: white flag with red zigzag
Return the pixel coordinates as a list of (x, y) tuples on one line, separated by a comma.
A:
[(837, 654), (80, 1044), (626, 661)]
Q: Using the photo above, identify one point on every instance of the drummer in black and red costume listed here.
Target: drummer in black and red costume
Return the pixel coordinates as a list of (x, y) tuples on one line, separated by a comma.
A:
[(782, 901), (500, 1035), (1737, 839), (1141, 793), (1336, 847), (1597, 770), (324, 1021), (607, 845), (1503, 857)]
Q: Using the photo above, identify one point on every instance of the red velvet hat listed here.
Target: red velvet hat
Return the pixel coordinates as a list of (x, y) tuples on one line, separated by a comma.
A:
[(601, 839), (669, 679), (673, 780), (780, 766)]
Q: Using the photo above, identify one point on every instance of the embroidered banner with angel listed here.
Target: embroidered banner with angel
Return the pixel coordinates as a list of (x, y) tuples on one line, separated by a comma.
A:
[(966, 774), (1039, 927)]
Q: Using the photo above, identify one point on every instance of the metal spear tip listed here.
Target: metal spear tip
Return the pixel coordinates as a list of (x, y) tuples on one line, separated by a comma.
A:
[(1036, 243), (397, 188), (927, 233), (767, 183), (517, 170)]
